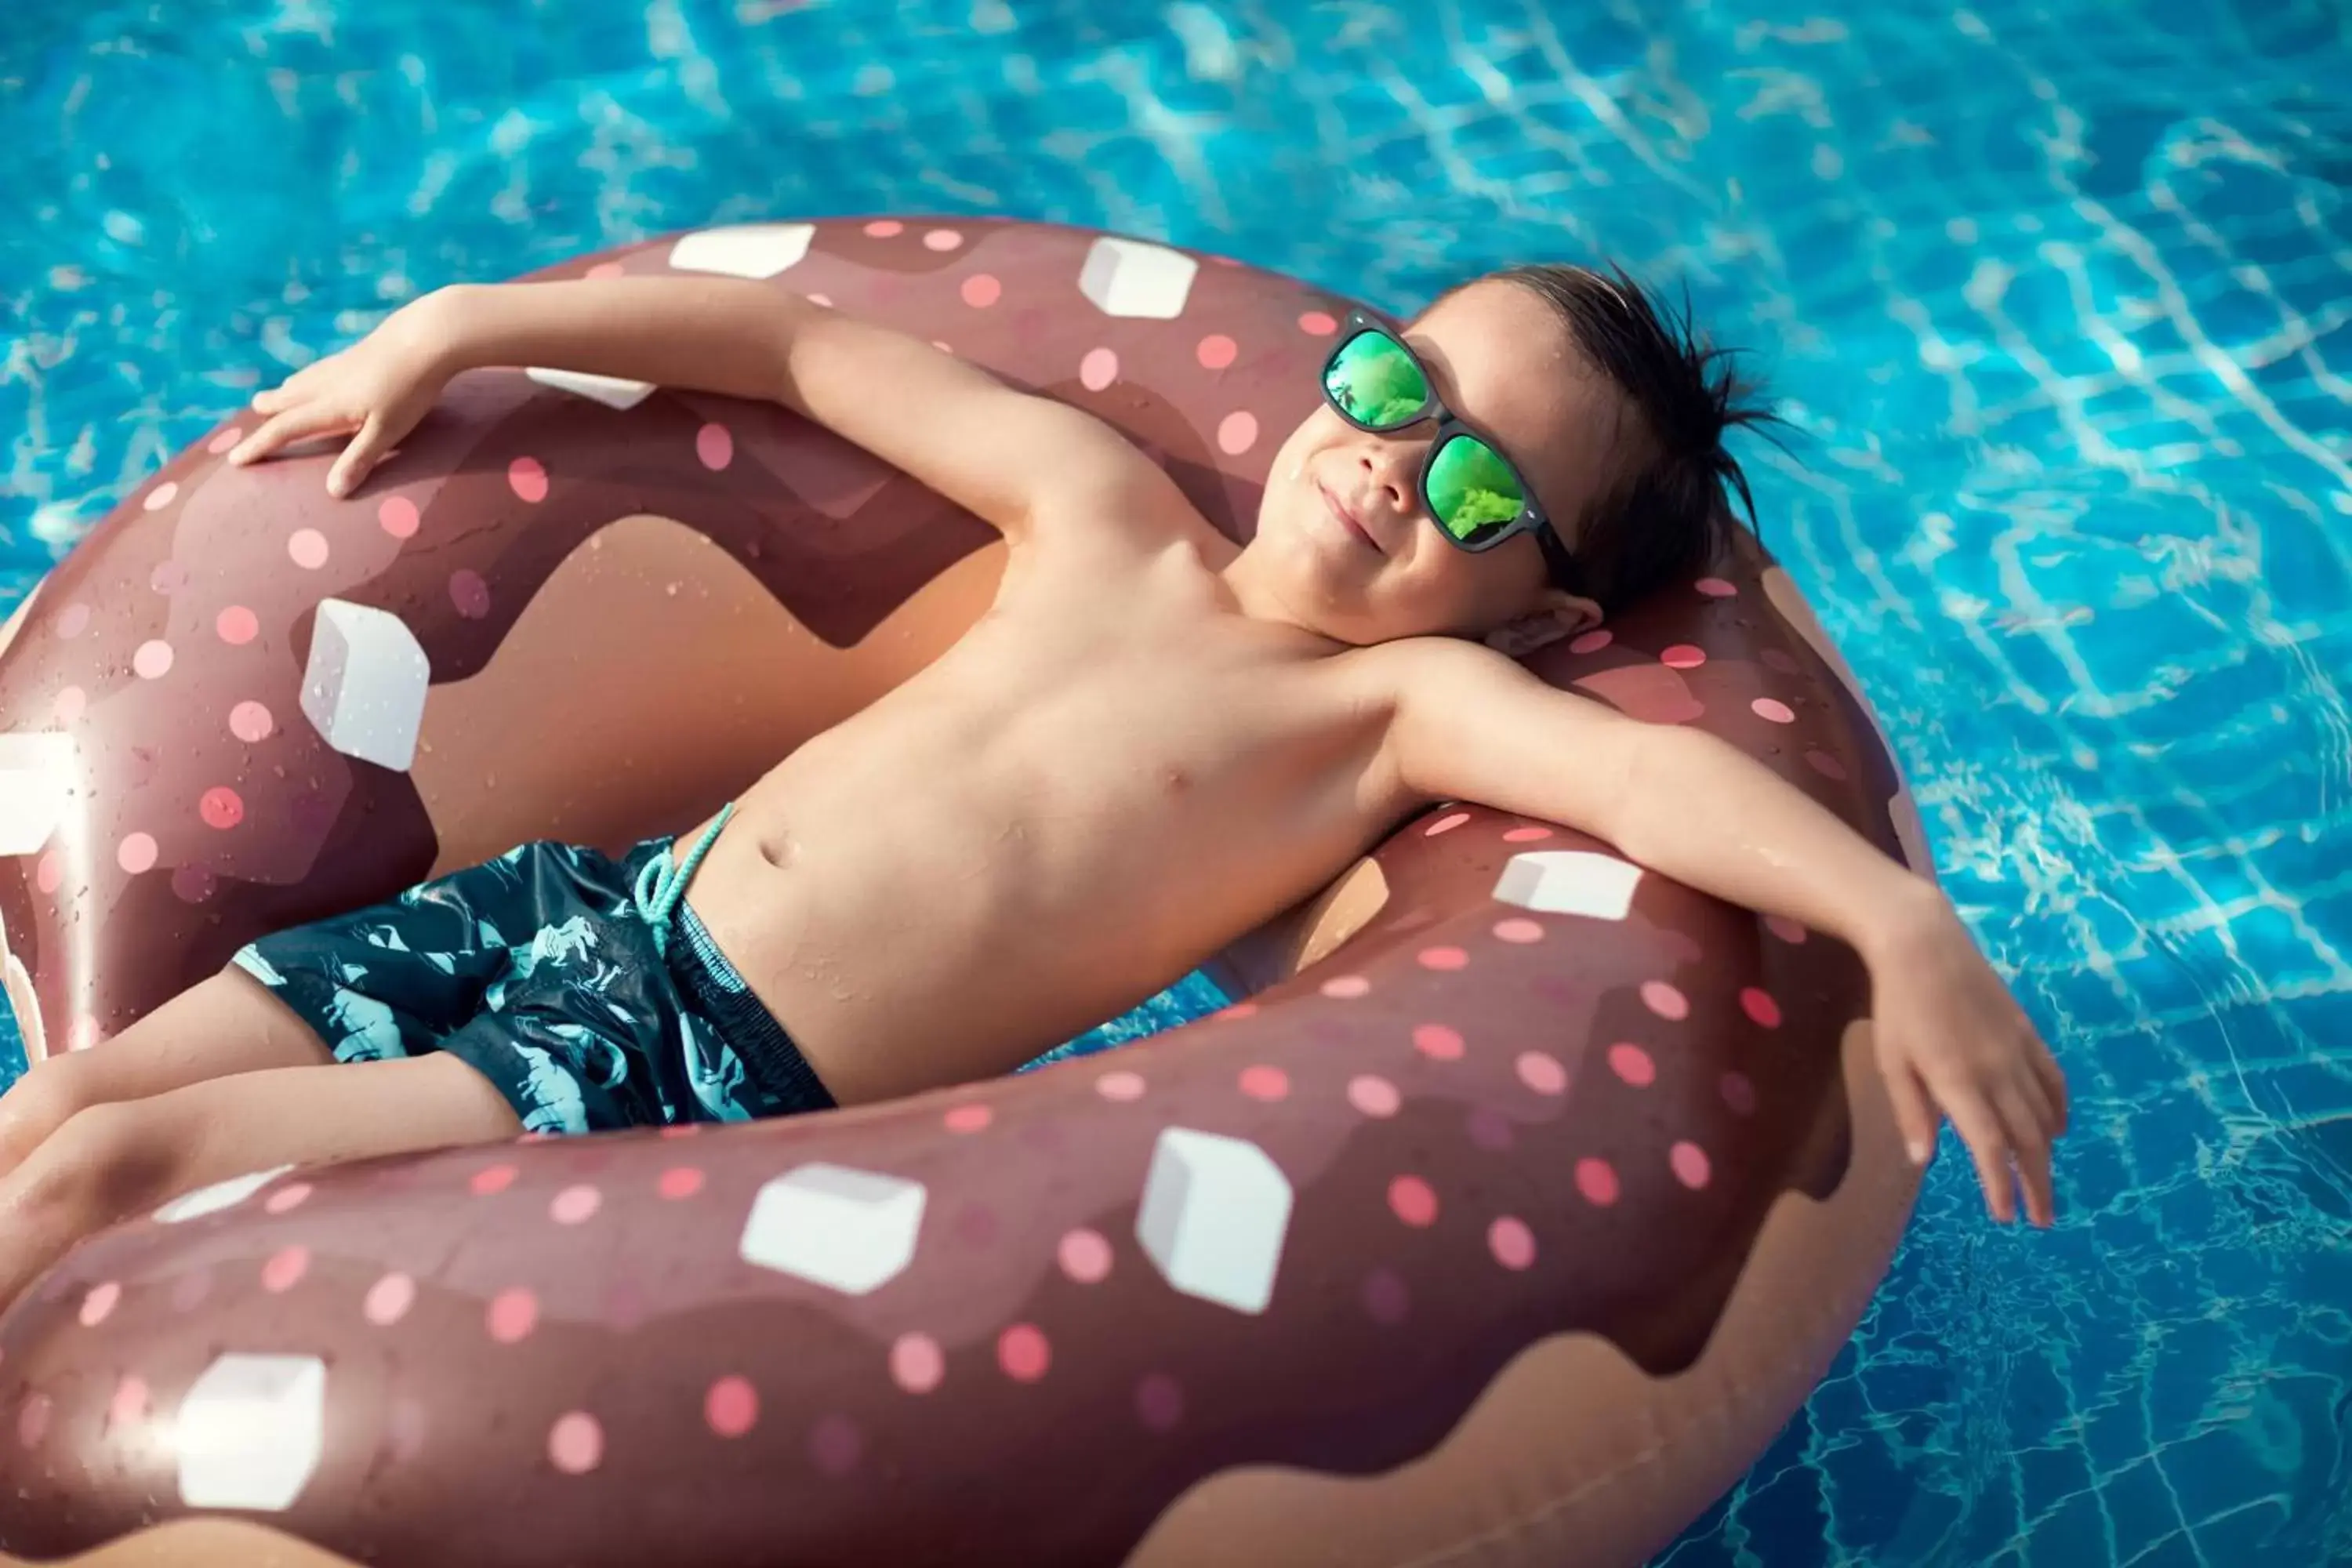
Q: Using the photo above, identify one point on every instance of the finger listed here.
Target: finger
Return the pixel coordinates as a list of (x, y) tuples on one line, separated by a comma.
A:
[(1915, 1113), (2032, 1150), (2053, 1084), (358, 458), (296, 424), (1981, 1130)]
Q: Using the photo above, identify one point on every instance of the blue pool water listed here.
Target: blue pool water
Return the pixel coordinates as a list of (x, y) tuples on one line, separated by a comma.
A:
[(2058, 296)]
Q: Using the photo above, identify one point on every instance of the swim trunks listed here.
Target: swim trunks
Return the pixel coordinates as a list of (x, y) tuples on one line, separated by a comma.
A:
[(542, 970)]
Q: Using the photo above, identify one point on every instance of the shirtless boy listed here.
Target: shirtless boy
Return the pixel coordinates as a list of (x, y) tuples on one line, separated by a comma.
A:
[(1151, 744)]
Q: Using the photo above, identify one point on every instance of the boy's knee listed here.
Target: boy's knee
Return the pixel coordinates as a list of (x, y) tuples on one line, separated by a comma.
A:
[(103, 1162), (51, 1091)]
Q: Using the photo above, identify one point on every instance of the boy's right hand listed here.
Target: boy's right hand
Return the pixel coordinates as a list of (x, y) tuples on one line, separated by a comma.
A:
[(380, 387)]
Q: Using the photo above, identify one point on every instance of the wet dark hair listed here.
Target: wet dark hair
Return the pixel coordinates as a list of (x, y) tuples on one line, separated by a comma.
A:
[(1669, 514)]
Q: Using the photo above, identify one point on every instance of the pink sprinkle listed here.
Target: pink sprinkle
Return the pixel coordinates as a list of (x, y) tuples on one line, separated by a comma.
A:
[(153, 659), (1632, 1064), (49, 871), (1541, 1071), (1665, 1001), (980, 291), (606, 270), (1216, 352), (224, 441), (1597, 1180), (1236, 434), (1085, 1256), (162, 496), (1386, 1300), (731, 1407), (1414, 1201), (307, 547), (1590, 642), (1739, 1093), (398, 517), (1265, 1083), (1438, 1042), (70, 704), (492, 1179), (96, 1305), (1443, 958), (288, 1198), (73, 620), (33, 1419), (1787, 929), (1099, 369), (1375, 1096), (1519, 930), (969, 1118), (1715, 587), (1318, 323), (834, 1445), (1160, 1401), (1346, 987), (1758, 1004), (942, 239), (1683, 656), (1773, 710), (469, 593), (1446, 824), (514, 1312), (886, 229), (1829, 767), (284, 1268), (250, 722), (527, 476), (136, 853), (1777, 661), (388, 1299), (575, 1204), (1023, 1352), (221, 808), (1525, 835), (1689, 1161), (917, 1363), (575, 1444), (1120, 1085), (679, 1182), (1512, 1243), (129, 1401), (236, 626), (714, 445)]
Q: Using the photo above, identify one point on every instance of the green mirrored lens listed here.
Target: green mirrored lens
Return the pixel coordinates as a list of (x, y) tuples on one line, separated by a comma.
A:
[(1374, 382), (1472, 491)]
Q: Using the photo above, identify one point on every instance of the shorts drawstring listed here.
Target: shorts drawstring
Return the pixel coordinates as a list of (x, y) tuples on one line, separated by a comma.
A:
[(662, 882)]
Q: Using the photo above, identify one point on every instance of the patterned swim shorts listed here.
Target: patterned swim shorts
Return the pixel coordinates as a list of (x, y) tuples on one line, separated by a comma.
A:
[(539, 969)]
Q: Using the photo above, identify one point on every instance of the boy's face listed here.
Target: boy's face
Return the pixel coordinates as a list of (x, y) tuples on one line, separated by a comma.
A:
[(1344, 537)]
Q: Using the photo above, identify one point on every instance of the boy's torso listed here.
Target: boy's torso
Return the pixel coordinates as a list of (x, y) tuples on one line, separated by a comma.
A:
[(1110, 777)]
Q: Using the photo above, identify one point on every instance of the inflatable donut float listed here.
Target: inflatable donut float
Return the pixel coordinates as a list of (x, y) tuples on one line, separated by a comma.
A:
[(1523, 1200)]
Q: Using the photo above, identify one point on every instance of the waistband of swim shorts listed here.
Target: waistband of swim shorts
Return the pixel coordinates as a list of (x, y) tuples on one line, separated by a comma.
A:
[(718, 993)]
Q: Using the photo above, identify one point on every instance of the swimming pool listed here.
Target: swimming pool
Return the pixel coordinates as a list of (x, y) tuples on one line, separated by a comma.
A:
[(2059, 298)]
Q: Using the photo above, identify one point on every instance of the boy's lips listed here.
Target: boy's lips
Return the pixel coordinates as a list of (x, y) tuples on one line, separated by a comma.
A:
[(1348, 516)]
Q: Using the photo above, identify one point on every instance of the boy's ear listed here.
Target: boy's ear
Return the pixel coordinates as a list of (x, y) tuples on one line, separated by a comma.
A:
[(1562, 615)]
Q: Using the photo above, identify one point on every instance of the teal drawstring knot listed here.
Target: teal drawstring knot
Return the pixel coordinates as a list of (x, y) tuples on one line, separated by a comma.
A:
[(661, 883)]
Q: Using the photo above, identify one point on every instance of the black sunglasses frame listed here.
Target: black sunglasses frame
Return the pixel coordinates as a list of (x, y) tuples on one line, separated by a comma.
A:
[(1562, 566)]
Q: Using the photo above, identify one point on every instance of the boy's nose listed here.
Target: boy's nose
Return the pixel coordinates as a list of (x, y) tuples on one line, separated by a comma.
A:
[(1389, 466)]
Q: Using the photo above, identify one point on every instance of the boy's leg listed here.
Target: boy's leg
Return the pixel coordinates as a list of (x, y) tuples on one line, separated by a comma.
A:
[(123, 1157), (229, 1024)]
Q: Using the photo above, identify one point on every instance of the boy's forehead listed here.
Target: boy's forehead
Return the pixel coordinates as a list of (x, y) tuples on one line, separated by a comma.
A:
[(1507, 362)]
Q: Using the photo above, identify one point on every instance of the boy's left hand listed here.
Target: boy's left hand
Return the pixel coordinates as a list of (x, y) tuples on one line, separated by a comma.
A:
[(1949, 1036)]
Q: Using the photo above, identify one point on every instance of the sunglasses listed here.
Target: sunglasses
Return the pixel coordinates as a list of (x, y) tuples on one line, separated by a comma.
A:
[(1475, 495)]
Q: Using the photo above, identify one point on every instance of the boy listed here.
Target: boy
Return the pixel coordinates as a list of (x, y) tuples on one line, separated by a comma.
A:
[(1153, 743)]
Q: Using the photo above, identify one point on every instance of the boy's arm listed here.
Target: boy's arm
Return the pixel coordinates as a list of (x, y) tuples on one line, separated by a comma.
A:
[(998, 452), (1473, 725)]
